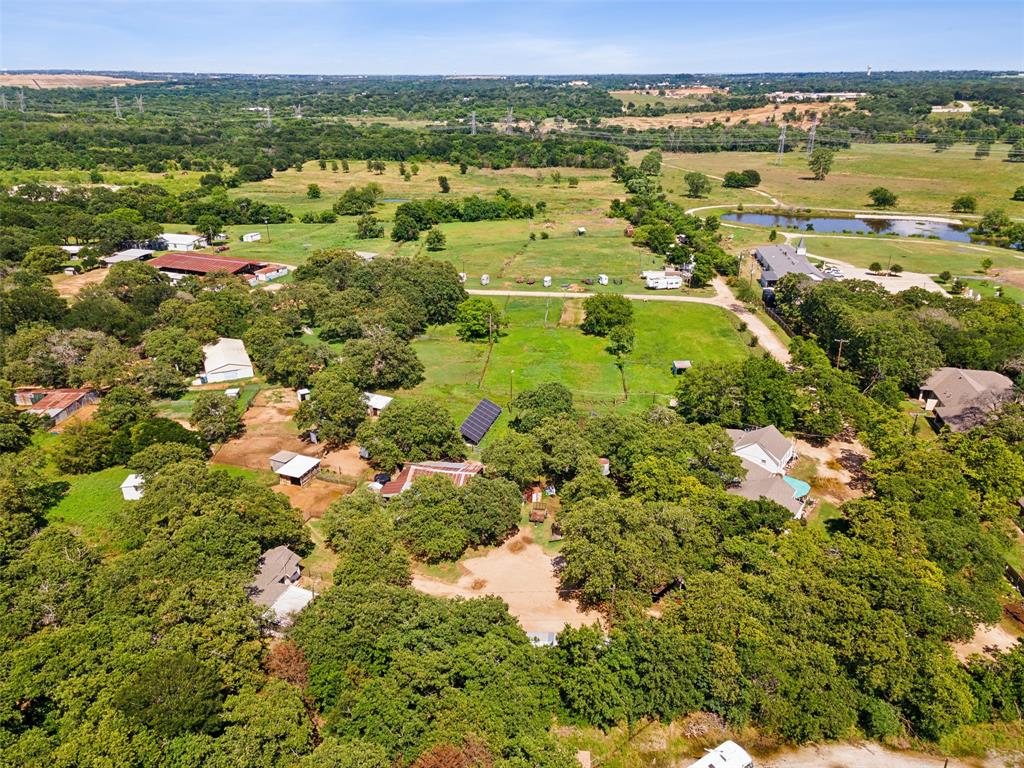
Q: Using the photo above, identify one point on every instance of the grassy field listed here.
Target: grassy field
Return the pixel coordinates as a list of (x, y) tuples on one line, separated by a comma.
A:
[(182, 407), (925, 181), (91, 506), (916, 255), (538, 349)]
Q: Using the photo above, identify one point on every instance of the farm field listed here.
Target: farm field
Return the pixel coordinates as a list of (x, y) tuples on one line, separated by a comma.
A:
[(754, 115), (539, 348), (92, 504), (926, 181), (928, 256)]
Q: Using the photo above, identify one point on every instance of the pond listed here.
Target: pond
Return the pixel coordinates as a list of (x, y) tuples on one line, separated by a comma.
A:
[(395, 200), (838, 224)]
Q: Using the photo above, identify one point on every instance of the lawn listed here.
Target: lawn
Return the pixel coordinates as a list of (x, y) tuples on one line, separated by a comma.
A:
[(538, 348), (182, 407), (913, 254), (925, 181), (92, 505)]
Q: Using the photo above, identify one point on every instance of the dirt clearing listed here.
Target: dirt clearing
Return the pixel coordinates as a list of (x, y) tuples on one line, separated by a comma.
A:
[(865, 756), (572, 313), (521, 574), (313, 499), (268, 429), (346, 462), (755, 115), (839, 474), (69, 286), (987, 640), (41, 82)]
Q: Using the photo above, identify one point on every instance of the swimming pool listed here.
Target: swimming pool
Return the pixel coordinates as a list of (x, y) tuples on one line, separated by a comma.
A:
[(800, 488)]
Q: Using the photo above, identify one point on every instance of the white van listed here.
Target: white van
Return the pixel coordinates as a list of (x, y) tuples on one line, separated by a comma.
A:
[(485, 279), (664, 282), (547, 281), (602, 279)]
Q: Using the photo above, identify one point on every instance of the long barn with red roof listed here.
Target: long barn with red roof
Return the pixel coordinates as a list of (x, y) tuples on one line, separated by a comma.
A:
[(177, 265)]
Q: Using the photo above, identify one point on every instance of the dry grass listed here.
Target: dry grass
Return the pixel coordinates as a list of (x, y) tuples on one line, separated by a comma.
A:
[(41, 82)]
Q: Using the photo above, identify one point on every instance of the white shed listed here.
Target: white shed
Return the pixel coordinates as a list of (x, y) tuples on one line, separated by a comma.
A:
[(226, 360), (131, 488), (728, 754), (376, 403), (251, 237)]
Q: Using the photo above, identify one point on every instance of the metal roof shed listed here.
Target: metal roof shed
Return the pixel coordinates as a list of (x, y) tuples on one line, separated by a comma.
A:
[(479, 422)]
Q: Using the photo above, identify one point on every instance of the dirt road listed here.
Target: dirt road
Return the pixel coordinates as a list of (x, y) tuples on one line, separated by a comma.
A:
[(867, 756), (723, 298)]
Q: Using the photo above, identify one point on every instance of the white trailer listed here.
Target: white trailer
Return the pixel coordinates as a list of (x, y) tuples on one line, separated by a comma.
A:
[(664, 282), (602, 279), (547, 281), (485, 279)]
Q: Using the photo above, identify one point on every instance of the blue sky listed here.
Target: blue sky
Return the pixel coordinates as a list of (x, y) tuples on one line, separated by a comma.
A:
[(477, 36)]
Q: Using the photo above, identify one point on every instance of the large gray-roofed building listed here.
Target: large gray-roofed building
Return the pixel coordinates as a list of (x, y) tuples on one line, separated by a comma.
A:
[(777, 261)]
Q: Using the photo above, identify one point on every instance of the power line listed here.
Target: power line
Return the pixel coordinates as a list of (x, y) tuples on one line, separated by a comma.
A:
[(782, 145), (138, 103), (21, 100), (810, 138), (472, 124), (117, 108)]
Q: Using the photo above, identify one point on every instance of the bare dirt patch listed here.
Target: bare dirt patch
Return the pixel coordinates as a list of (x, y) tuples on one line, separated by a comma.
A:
[(865, 755), (988, 640), (523, 577), (346, 462), (267, 431), (313, 499), (841, 462), (757, 115), (70, 286), (42, 82)]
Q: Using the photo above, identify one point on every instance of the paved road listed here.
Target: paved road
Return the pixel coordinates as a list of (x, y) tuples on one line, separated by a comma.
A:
[(723, 298)]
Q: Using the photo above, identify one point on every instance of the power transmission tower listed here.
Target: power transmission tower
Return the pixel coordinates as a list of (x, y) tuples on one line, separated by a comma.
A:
[(21, 101), (782, 145), (117, 108), (298, 112), (810, 137), (472, 124), (138, 104), (559, 122), (3, 101), (508, 121), (270, 122)]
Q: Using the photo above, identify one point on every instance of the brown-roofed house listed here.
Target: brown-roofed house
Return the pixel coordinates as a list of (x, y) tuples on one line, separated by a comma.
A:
[(962, 398), (274, 585), (57, 404), (460, 472)]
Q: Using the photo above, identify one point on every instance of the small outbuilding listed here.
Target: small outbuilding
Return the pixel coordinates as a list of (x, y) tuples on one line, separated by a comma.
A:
[(679, 366), (129, 254), (54, 404), (581, 231), (295, 468), (132, 487), (251, 237), (173, 241), (375, 404), (606, 466), (302, 394), (367, 256), (728, 754), (270, 272)]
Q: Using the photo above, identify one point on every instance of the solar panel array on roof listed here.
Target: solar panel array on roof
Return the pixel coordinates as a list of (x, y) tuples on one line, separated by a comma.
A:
[(479, 421)]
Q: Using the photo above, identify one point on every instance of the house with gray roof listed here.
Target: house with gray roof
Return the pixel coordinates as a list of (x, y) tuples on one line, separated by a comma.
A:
[(766, 448), (962, 398), (274, 587), (777, 261), (764, 454)]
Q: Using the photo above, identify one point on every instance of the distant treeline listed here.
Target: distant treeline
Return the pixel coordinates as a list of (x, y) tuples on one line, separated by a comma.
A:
[(209, 144)]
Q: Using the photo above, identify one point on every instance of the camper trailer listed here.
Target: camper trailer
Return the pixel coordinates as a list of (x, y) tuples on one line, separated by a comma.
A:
[(664, 282), (602, 279), (485, 279), (547, 281)]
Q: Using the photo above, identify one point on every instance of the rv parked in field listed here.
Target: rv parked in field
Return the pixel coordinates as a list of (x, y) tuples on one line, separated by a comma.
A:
[(485, 279), (663, 282)]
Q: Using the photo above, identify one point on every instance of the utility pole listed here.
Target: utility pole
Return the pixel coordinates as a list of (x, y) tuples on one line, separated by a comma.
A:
[(117, 108), (138, 104), (810, 137), (839, 353), (782, 145), (472, 124), (21, 100), (266, 223)]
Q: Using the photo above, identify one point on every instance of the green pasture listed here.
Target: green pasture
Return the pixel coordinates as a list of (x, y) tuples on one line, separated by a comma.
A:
[(913, 254), (182, 407), (926, 181), (92, 504), (538, 349)]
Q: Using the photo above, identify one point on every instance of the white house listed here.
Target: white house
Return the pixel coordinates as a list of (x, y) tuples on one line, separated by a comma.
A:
[(251, 237), (131, 488), (270, 272), (226, 360), (765, 447), (173, 241), (376, 403), (728, 754), (72, 251)]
